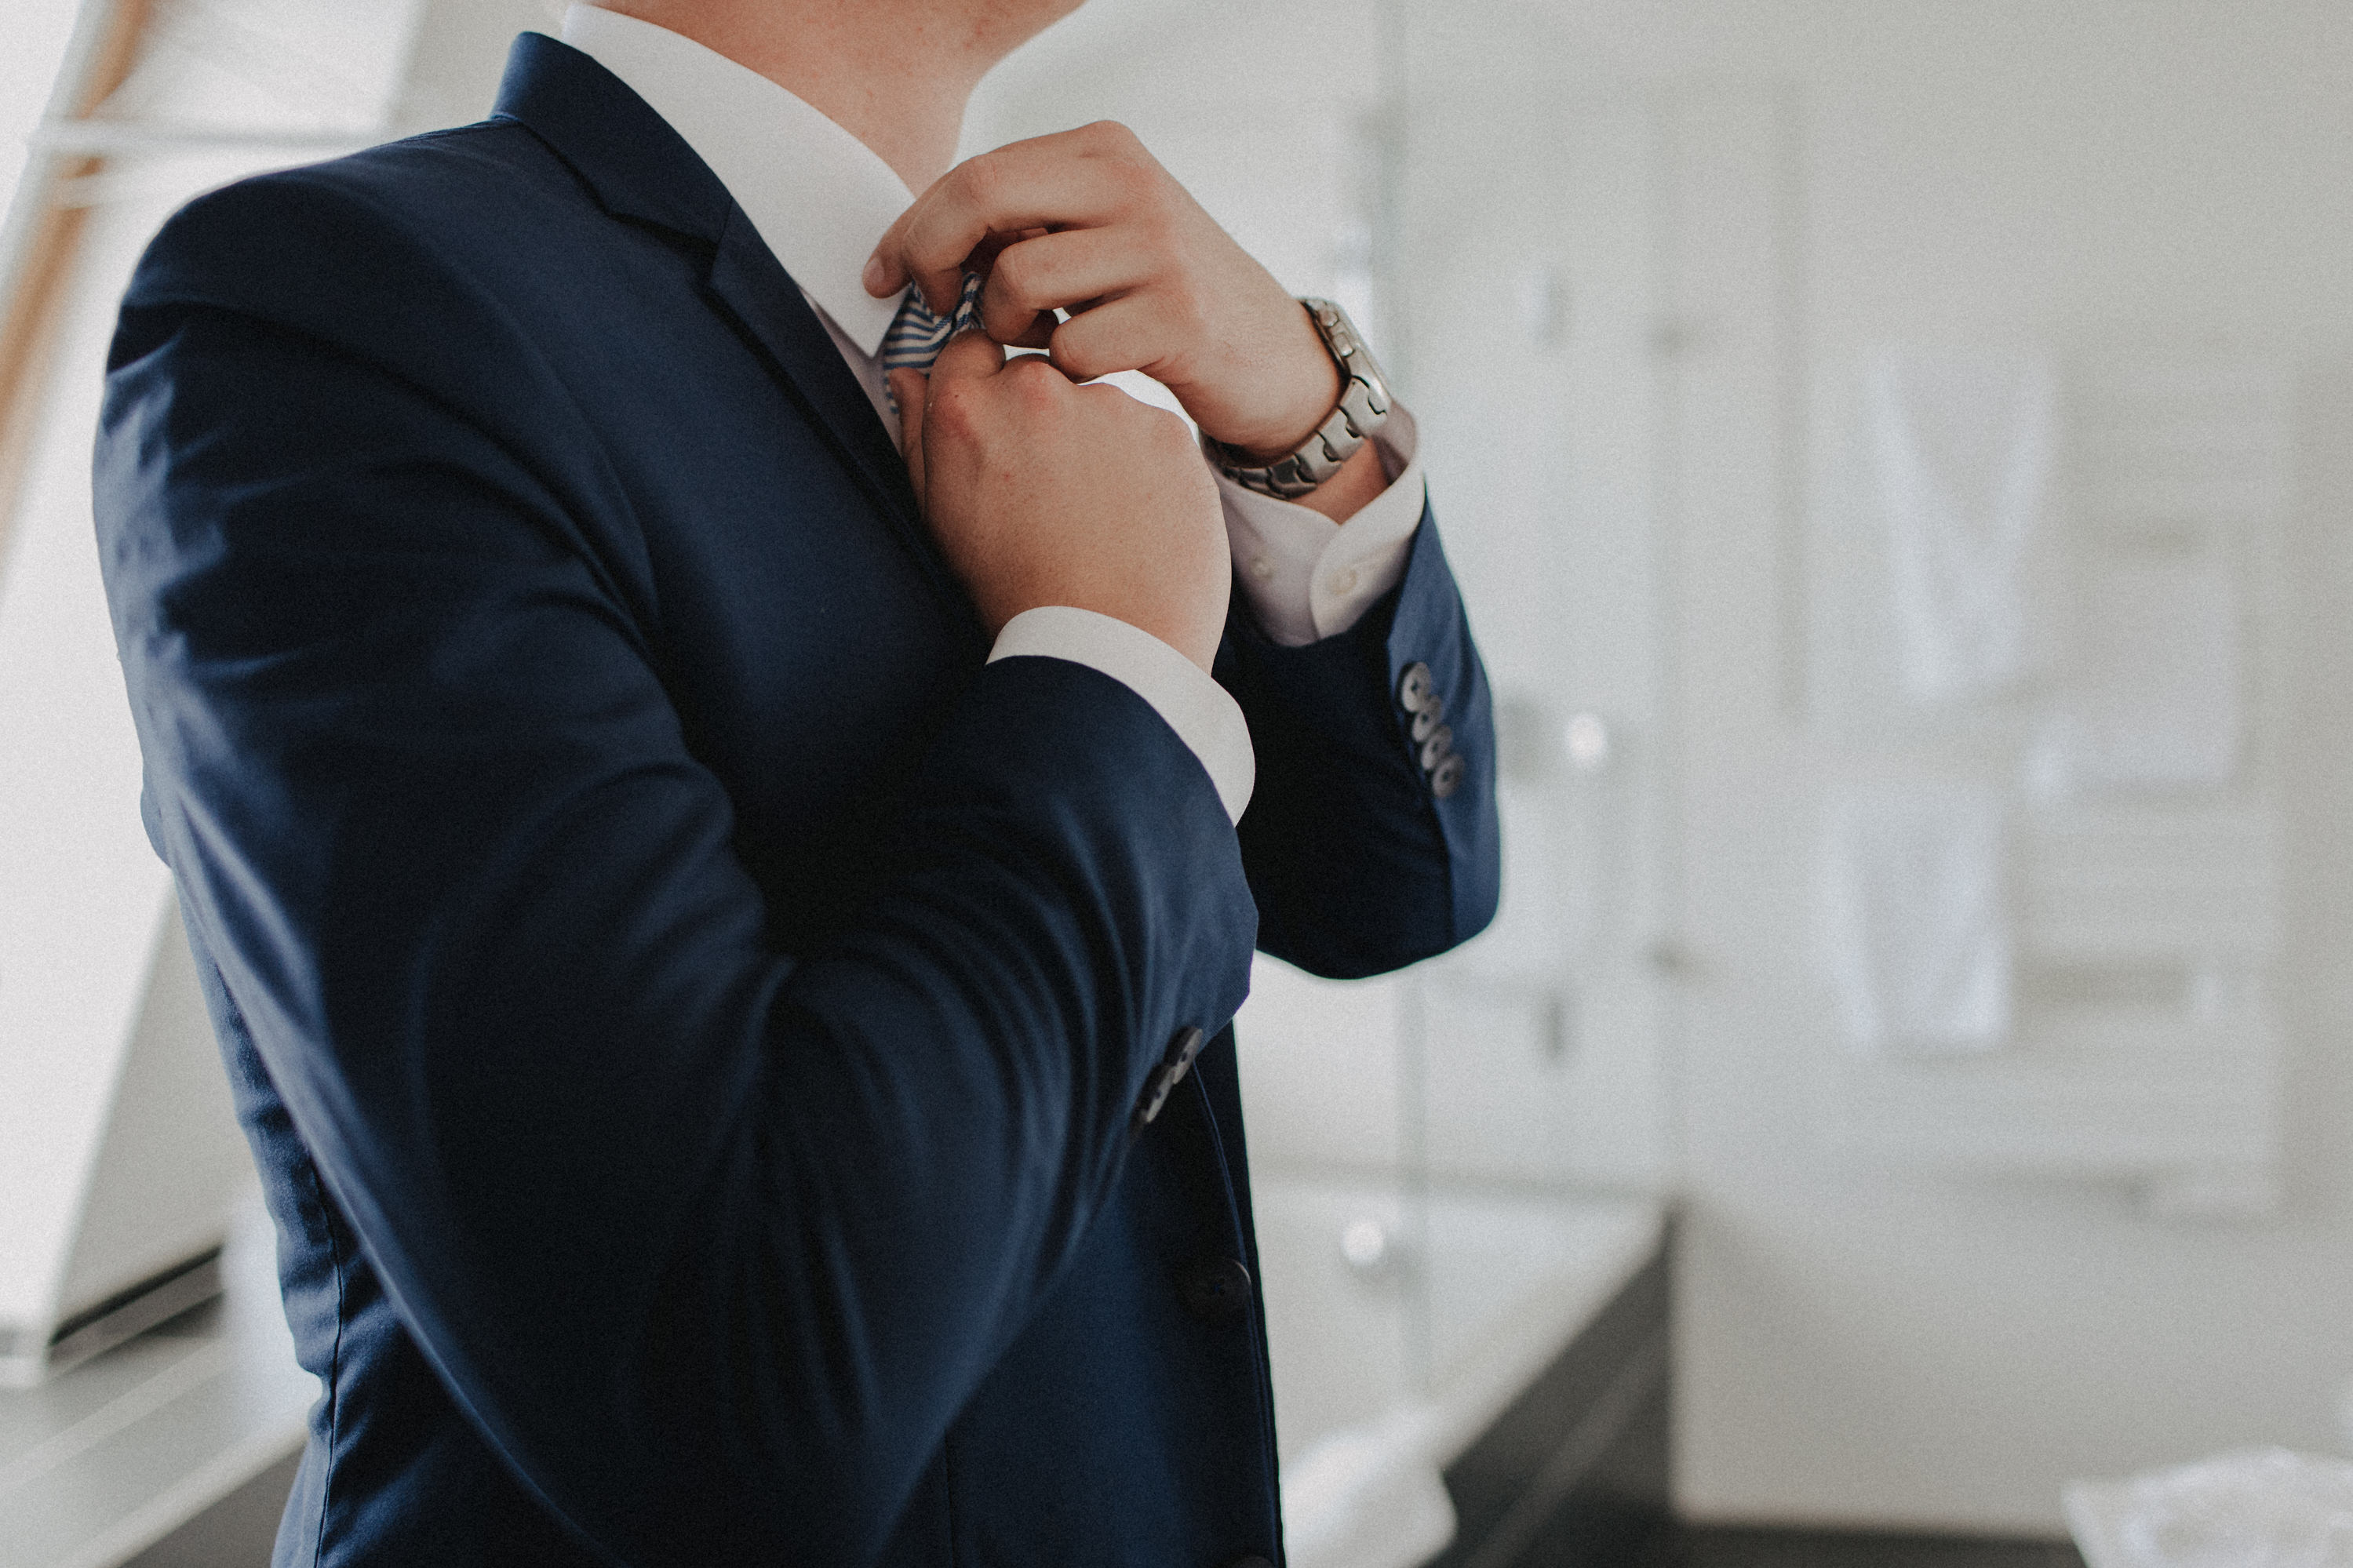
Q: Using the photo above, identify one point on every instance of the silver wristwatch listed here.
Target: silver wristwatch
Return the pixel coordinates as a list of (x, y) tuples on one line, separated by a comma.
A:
[(1364, 409)]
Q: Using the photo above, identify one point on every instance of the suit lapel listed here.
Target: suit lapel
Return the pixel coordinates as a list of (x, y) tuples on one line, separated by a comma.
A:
[(643, 171), (753, 287)]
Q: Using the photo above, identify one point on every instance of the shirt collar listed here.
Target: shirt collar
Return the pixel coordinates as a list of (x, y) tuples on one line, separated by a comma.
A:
[(819, 197)]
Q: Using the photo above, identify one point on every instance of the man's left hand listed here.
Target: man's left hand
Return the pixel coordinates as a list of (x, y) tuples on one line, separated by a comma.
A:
[(1087, 221)]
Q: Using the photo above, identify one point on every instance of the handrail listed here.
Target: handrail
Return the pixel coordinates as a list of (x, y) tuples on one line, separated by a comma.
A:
[(114, 138), (40, 239)]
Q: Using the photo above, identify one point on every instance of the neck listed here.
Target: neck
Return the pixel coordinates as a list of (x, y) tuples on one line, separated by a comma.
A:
[(896, 74)]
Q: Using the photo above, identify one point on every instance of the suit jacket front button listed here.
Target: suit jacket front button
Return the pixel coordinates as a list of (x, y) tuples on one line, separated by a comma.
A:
[(1174, 1065), (1156, 1091), (1217, 1289), (1182, 1048)]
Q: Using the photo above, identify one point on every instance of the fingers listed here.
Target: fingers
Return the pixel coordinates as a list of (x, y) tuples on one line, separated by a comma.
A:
[(969, 356), (1040, 332), (1078, 179), (1061, 271), (1126, 334)]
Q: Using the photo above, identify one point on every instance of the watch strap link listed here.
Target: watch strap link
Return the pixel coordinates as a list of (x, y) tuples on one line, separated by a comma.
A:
[(1362, 408)]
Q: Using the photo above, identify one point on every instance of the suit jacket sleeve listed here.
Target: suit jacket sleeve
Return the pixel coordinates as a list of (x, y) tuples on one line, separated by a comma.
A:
[(711, 1242), (1357, 866)]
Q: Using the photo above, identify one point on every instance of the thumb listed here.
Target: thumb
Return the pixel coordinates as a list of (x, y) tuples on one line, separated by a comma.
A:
[(911, 391), (969, 356)]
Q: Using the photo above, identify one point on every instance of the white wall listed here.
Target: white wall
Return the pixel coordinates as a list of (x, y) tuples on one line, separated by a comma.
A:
[(1864, 1346), (460, 53)]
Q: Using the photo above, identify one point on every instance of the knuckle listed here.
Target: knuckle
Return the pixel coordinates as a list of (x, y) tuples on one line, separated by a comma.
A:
[(981, 180), (1162, 428), (1036, 382), (1111, 136), (1136, 183), (1115, 407), (1186, 308), (1144, 195), (1173, 433), (1018, 275), (952, 412), (1161, 230), (1073, 354)]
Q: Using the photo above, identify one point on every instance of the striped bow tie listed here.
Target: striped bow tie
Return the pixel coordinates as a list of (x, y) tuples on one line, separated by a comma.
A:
[(917, 336)]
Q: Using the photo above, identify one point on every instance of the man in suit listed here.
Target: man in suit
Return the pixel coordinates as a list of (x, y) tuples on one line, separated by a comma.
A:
[(723, 931)]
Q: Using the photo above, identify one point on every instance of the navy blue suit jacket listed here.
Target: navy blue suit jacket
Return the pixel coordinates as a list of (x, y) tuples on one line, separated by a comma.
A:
[(689, 1010)]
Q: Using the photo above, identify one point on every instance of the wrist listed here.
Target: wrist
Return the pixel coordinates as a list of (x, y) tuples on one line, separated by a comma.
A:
[(1359, 408), (1360, 480), (1315, 387)]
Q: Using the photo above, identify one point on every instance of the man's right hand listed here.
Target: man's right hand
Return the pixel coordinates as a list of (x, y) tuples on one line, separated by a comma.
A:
[(1043, 492)]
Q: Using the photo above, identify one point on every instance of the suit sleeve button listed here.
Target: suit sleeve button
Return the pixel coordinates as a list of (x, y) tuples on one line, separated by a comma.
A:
[(1437, 748), (1217, 1290), (1413, 687), (1447, 777), (1427, 719)]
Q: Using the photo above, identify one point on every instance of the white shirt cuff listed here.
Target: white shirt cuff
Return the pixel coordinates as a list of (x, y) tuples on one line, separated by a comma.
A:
[(1204, 715), (1307, 577)]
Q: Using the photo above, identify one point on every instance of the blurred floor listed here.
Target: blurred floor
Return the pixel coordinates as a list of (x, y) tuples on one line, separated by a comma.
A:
[(1704, 1548), (235, 1533)]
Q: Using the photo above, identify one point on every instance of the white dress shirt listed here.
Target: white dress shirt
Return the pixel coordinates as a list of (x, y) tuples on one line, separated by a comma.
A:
[(821, 199)]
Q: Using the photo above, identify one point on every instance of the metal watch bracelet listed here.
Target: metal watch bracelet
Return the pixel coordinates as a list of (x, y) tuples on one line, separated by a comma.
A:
[(1362, 408)]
